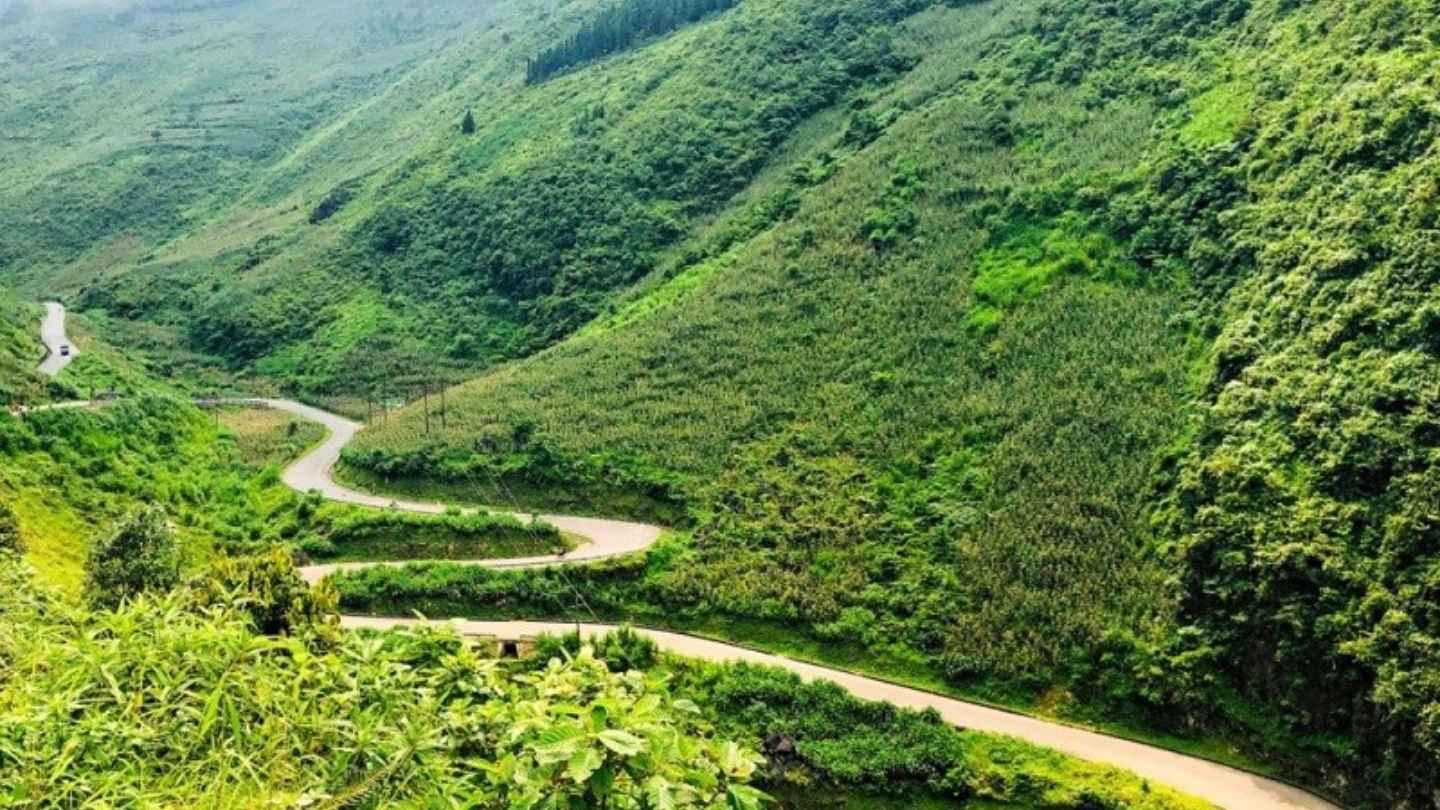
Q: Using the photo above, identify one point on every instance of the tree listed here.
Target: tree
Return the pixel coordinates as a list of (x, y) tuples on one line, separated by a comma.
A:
[(467, 126), (138, 557), (10, 531), (617, 28)]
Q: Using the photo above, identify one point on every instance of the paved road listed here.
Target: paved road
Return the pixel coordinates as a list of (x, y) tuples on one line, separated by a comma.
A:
[(313, 471), (52, 333), (1225, 787)]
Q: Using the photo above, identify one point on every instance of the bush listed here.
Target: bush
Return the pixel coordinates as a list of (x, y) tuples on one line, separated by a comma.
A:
[(138, 557), (10, 531), (196, 706), (269, 589), (623, 650)]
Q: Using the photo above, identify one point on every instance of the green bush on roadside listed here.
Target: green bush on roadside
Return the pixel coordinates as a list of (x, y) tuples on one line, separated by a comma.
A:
[(138, 556)]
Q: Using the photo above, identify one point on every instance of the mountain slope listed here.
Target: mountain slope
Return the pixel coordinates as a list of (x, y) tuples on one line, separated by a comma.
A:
[(1080, 358), (1046, 347), (131, 124), (457, 251)]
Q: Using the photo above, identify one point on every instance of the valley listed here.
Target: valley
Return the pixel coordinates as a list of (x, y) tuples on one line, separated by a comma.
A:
[(601, 540), (868, 403)]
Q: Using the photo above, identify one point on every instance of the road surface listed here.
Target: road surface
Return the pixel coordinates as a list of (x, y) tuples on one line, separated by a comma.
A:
[(601, 539), (1221, 785), (1225, 787), (52, 334)]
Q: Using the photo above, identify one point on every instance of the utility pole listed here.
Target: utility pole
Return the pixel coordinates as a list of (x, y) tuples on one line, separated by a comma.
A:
[(425, 395), (444, 411)]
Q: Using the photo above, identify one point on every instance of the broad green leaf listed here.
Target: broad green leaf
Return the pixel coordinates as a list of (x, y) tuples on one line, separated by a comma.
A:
[(744, 797), (657, 791), (621, 742), (584, 764)]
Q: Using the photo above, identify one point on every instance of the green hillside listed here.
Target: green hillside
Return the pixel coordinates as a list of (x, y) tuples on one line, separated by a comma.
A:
[(1081, 359), (1080, 355), (20, 350), (232, 688), (446, 251), (130, 124)]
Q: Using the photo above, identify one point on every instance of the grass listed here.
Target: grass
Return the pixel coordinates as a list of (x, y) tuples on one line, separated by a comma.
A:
[(1022, 339), (519, 495), (266, 437), (822, 407), (856, 461), (1218, 113), (20, 350), (71, 473)]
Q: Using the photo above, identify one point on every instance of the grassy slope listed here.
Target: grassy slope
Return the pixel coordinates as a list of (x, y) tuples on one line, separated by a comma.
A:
[(412, 262), (841, 378), (233, 92), (20, 350)]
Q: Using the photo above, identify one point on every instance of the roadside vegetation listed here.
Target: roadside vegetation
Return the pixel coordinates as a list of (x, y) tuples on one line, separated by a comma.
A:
[(244, 666), (74, 477), (20, 351)]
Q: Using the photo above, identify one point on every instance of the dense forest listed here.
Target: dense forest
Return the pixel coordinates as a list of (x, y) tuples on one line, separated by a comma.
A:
[(617, 28)]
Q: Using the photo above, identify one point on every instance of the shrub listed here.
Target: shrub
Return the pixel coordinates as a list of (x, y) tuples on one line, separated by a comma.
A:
[(623, 650), (196, 709), (269, 589), (9, 531), (139, 556)]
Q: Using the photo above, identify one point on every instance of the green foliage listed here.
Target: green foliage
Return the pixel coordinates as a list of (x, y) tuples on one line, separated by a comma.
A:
[(66, 472), (822, 730), (271, 591), (616, 28), (10, 540), (894, 218), (407, 242), (196, 707), (1126, 228), (622, 650), (328, 207), (1302, 506), (1027, 263), (20, 352), (358, 534), (164, 155), (138, 556), (1180, 465), (467, 125)]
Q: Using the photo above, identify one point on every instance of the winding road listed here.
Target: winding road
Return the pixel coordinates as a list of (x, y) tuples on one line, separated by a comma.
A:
[(1224, 786), (52, 334)]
